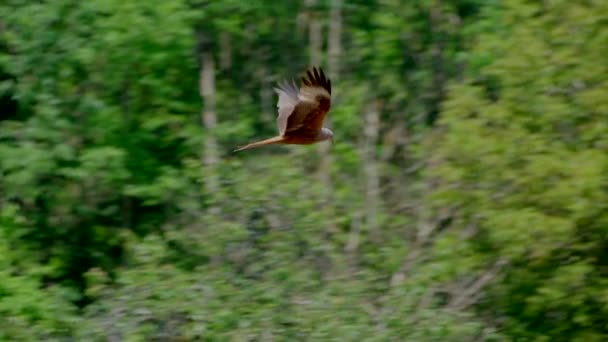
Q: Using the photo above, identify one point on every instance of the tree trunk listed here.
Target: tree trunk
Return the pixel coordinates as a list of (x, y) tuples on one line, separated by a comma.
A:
[(314, 33), (315, 37), (335, 39), (436, 18), (225, 51), (209, 120), (266, 94), (335, 47), (372, 177)]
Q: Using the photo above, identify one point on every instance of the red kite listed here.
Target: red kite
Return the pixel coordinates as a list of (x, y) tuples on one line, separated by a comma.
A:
[(301, 111)]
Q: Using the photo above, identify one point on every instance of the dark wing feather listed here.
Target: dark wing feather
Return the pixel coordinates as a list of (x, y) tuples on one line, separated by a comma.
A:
[(316, 78), (316, 94)]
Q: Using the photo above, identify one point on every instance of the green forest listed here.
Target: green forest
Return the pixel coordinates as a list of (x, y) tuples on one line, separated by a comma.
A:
[(464, 196)]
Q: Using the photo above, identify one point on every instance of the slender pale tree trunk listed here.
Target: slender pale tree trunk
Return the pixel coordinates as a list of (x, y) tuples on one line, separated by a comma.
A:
[(209, 153), (333, 70), (335, 39), (335, 46), (268, 112), (315, 60), (225, 51), (436, 18), (315, 38), (372, 176), (314, 33)]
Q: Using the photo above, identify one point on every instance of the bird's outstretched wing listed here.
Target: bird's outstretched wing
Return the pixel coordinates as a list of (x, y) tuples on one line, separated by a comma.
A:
[(304, 108), (288, 100)]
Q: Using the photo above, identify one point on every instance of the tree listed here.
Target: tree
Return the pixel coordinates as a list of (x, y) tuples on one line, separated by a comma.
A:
[(29, 310), (522, 157), (463, 198)]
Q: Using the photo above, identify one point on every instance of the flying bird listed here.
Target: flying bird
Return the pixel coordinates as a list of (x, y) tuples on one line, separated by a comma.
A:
[(301, 111)]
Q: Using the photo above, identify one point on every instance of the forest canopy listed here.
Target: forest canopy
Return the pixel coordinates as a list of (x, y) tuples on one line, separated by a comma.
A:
[(465, 196)]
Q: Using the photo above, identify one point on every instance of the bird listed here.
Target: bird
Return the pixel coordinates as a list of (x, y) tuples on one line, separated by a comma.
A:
[(301, 111)]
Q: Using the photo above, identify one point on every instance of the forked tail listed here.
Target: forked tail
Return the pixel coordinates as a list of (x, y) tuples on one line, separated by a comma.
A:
[(273, 140)]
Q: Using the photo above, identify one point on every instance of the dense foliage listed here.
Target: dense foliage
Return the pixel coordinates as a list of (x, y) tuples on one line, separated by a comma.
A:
[(465, 197)]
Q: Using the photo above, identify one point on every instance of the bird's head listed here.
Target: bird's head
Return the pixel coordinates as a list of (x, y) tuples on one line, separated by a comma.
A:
[(326, 134)]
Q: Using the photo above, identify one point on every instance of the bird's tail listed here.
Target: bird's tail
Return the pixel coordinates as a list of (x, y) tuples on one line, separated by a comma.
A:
[(273, 140)]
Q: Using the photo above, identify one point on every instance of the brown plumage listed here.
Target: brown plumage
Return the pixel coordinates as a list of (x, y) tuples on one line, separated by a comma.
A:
[(301, 111)]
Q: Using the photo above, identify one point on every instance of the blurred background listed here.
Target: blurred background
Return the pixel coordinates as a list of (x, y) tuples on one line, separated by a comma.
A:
[(465, 197)]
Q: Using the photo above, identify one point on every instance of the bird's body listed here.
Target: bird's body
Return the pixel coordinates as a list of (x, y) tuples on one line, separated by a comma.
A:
[(301, 111)]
